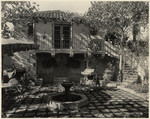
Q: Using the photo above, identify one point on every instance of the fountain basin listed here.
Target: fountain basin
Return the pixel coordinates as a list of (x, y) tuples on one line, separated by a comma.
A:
[(59, 102)]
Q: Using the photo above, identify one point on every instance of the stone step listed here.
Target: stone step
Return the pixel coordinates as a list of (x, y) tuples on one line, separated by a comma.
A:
[(129, 80), (130, 76), (131, 73), (127, 67), (135, 76), (131, 70)]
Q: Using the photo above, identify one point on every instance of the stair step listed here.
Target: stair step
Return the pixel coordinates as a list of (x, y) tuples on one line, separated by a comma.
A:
[(126, 74), (130, 70), (128, 67), (130, 74), (132, 77), (129, 80)]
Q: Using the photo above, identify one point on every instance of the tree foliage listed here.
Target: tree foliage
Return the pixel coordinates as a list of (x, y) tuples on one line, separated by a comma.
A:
[(16, 14), (118, 16), (116, 19)]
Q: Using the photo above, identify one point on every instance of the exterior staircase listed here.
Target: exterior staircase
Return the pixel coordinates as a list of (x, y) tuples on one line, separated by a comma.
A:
[(130, 76), (130, 69)]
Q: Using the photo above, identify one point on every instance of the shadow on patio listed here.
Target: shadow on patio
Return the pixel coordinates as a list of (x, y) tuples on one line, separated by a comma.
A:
[(109, 102)]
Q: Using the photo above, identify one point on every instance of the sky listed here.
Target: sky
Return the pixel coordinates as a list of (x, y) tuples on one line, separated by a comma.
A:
[(65, 5)]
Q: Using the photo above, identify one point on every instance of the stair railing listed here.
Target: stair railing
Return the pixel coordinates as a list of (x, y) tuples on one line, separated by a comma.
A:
[(112, 50), (129, 57)]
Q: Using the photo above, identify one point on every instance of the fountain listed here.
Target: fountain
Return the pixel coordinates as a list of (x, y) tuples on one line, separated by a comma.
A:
[(67, 86), (67, 99)]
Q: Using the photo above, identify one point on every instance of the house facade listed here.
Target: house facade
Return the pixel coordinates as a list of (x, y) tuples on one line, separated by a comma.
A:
[(67, 47)]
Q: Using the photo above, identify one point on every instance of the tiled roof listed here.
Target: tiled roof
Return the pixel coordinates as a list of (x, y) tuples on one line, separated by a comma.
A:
[(63, 16), (55, 14)]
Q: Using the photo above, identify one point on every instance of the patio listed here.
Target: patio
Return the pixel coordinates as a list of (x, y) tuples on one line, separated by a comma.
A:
[(107, 102), (99, 48)]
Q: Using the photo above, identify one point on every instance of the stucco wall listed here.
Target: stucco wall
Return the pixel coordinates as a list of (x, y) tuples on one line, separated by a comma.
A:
[(44, 29), (79, 35)]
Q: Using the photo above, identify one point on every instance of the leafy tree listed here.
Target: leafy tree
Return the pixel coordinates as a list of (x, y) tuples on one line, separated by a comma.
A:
[(119, 17), (15, 16)]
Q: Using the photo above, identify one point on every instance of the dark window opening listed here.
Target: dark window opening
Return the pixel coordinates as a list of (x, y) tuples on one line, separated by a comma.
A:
[(57, 36), (62, 36), (30, 29)]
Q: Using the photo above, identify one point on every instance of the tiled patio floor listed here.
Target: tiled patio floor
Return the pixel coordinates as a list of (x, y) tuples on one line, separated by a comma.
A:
[(103, 103)]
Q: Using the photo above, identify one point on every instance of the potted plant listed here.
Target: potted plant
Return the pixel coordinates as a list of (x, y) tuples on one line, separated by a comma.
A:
[(108, 75)]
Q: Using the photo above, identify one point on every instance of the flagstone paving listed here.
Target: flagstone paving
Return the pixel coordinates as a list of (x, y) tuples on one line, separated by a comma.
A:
[(103, 103)]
